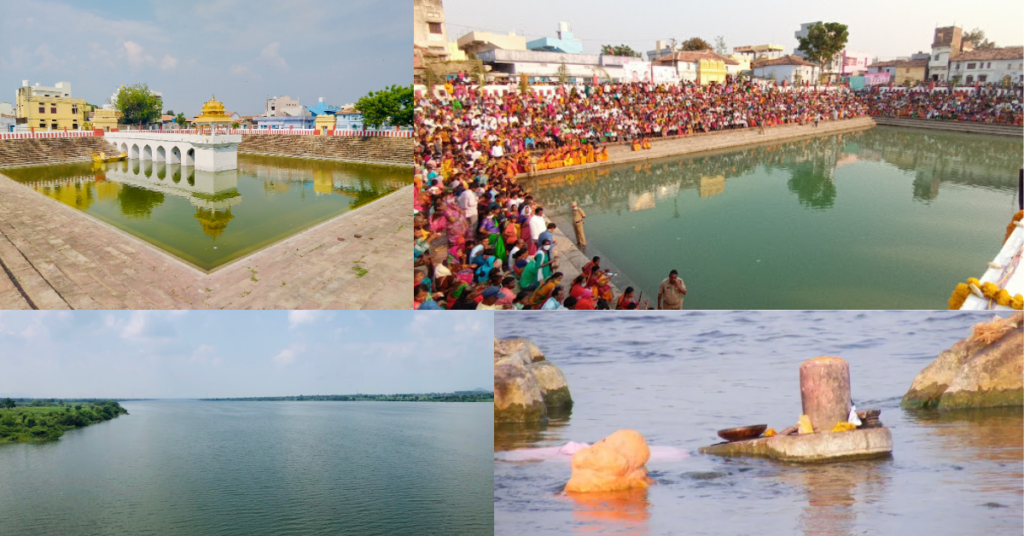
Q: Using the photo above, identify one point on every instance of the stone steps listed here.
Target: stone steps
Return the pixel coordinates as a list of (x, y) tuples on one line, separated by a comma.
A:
[(397, 151), (952, 126), (44, 151)]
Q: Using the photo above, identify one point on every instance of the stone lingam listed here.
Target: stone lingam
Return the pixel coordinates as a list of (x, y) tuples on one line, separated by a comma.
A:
[(825, 397)]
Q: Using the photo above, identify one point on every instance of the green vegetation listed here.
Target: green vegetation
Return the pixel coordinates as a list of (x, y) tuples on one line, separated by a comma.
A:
[(977, 36), (219, 196), (823, 42), (36, 421), (457, 396), (620, 50), (391, 106), (696, 43), (138, 105)]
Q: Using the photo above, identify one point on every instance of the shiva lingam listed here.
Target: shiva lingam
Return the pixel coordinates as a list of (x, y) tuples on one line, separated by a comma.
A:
[(829, 429)]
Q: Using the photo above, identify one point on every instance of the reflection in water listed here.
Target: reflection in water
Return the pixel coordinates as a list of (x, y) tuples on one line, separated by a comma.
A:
[(936, 157), (150, 199), (820, 223), (214, 223), (623, 512), (833, 491)]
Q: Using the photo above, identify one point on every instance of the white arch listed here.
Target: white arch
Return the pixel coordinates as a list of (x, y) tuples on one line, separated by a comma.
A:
[(124, 147), (134, 153), (188, 157), (147, 153), (174, 157), (161, 154)]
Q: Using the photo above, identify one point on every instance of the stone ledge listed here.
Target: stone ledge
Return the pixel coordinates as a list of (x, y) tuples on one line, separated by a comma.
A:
[(865, 443)]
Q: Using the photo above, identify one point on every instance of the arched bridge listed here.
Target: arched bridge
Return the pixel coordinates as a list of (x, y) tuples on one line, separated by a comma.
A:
[(217, 152)]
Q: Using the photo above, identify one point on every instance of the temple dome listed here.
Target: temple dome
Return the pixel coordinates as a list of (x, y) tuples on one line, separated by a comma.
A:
[(213, 112)]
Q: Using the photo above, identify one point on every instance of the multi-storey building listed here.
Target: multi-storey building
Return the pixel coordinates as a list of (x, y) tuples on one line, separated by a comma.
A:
[(49, 108)]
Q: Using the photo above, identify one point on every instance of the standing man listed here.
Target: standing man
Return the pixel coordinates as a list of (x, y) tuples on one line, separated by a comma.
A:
[(577, 225), (468, 203), (537, 225), (670, 295)]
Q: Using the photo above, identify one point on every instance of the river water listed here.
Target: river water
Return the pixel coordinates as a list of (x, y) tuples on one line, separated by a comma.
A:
[(886, 218), (678, 378), (209, 218), (244, 468)]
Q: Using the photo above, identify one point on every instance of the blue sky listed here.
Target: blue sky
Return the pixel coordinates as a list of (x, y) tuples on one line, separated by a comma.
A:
[(241, 50), (883, 28), (139, 354)]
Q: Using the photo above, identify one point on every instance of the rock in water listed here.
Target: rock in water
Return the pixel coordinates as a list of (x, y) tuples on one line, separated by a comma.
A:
[(522, 376), (614, 463), (517, 396), (978, 372), (553, 387)]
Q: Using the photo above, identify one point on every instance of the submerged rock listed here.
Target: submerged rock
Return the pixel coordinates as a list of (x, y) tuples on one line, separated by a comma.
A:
[(614, 463), (983, 371), (527, 387)]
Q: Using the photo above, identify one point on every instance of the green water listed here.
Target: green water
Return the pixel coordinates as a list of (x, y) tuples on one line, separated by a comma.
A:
[(208, 218), (885, 218)]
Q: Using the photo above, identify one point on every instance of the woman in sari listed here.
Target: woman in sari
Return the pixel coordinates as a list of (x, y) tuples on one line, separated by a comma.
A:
[(457, 225), (600, 284), (543, 292)]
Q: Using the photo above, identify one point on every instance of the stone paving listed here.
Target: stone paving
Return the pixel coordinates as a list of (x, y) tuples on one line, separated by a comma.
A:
[(55, 257)]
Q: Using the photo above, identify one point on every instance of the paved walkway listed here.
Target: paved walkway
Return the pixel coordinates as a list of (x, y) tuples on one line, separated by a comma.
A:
[(55, 257)]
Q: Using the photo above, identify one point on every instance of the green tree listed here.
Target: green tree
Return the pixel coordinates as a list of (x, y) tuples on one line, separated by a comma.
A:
[(621, 50), (138, 105), (8, 403), (823, 42), (181, 120), (392, 106), (720, 46), (696, 43), (977, 37)]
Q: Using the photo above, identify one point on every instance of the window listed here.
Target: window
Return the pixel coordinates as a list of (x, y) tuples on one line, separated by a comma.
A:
[(42, 123), (982, 77), (970, 65), (74, 126), (53, 108), (55, 125), (435, 27), (970, 78), (74, 109), (989, 65), (936, 57), (42, 108)]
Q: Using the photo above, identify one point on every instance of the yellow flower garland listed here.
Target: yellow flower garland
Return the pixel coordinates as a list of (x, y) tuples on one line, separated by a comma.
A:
[(990, 291)]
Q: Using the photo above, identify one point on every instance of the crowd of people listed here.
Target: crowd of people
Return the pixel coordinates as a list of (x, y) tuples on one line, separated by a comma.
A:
[(982, 105), (483, 242)]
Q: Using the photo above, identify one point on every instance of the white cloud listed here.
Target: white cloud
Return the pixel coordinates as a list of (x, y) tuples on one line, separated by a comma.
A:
[(288, 355), (135, 325), (135, 56), (47, 59), (272, 57), (168, 63), (297, 318), (239, 69)]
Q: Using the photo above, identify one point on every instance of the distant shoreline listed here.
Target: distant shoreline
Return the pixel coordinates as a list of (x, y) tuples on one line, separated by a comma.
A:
[(462, 396)]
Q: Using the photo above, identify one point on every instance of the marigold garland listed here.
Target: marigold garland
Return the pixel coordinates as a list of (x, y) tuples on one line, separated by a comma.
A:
[(990, 291)]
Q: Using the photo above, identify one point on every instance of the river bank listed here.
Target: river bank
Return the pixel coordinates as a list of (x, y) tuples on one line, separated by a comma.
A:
[(41, 423)]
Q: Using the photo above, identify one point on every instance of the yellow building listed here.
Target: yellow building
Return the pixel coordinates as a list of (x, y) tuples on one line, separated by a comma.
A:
[(711, 70), (325, 122), (50, 108), (213, 115)]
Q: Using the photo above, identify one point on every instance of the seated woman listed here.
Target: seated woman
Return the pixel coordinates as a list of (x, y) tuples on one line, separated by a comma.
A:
[(636, 144), (646, 143), (600, 284), (603, 155)]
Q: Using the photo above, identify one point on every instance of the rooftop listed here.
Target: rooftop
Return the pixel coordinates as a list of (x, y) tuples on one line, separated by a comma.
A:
[(1004, 53), (694, 56), (900, 63), (785, 60)]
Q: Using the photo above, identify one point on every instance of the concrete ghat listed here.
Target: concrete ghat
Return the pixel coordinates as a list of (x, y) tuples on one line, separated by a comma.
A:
[(820, 447), (55, 257)]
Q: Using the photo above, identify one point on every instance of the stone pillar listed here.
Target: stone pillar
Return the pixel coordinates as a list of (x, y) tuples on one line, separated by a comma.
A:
[(825, 391)]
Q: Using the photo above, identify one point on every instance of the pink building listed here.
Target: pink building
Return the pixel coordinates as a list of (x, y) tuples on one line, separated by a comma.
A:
[(855, 63)]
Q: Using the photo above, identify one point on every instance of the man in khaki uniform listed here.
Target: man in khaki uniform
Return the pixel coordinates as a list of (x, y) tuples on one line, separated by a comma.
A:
[(670, 295), (577, 225)]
